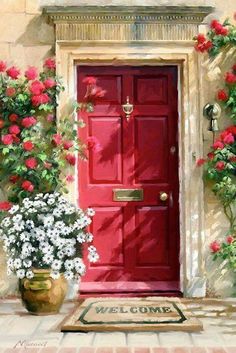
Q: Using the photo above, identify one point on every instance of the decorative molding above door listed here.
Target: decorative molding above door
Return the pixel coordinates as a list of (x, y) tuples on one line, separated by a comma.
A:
[(127, 23)]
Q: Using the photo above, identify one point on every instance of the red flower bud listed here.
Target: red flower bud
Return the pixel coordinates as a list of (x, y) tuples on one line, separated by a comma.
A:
[(13, 117), (50, 64), (2, 66), (220, 165), (7, 139), (31, 163), (200, 162), (27, 185), (68, 144), (10, 91), (230, 239), (14, 129), (70, 158), (31, 73), (230, 77), (5, 206), (14, 178), (222, 95), (28, 121), (215, 246), (13, 72), (28, 145)]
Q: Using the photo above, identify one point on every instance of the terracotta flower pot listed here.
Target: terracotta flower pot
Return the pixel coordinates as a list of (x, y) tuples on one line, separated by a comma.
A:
[(43, 295)]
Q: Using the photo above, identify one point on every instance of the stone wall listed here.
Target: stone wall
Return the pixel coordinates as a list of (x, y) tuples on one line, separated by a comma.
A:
[(26, 39)]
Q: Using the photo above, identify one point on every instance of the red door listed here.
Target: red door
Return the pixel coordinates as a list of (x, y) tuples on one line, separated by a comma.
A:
[(138, 241)]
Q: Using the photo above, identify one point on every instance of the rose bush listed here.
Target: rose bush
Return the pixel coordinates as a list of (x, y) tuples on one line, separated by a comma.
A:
[(36, 151), (220, 164)]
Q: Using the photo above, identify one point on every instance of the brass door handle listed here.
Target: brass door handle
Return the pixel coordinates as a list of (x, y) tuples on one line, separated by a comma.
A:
[(163, 196)]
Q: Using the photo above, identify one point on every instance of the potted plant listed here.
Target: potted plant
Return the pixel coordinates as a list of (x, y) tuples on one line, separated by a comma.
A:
[(37, 156), (43, 238)]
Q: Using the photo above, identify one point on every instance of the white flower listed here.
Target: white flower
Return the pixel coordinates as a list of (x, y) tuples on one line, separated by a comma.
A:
[(48, 221), (70, 210), (29, 224), (29, 274), (90, 212), (79, 266), (70, 251), (93, 257), (25, 236), (19, 226), (20, 273), (59, 224), (92, 249), (89, 237), (48, 259), (13, 209), (57, 213), (81, 237), (51, 201), (17, 263), (55, 274), (66, 230), (56, 265), (60, 254), (6, 222), (68, 275), (10, 264), (17, 218), (69, 265)]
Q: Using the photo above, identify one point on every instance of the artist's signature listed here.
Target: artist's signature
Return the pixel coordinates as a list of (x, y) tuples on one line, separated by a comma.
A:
[(30, 344)]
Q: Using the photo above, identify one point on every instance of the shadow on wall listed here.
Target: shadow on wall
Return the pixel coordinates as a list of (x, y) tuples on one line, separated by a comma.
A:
[(38, 40)]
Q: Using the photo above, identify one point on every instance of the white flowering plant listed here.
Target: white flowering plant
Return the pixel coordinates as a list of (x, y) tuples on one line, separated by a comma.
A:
[(47, 232)]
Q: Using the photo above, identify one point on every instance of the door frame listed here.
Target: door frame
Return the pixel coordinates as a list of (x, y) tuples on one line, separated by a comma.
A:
[(191, 199)]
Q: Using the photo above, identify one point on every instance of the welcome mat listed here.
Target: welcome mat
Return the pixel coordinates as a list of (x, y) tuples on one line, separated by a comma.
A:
[(131, 314)]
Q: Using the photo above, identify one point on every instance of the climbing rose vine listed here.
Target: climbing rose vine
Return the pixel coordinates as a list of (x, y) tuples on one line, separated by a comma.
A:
[(220, 163)]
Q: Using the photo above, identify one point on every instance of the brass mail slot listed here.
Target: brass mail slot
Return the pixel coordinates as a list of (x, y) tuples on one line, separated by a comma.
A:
[(127, 194)]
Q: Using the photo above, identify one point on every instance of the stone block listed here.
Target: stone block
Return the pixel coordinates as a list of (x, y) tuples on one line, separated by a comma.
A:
[(32, 7), (12, 6)]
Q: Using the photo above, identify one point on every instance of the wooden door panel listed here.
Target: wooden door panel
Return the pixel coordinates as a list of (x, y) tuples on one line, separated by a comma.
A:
[(151, 224), (150, 149), (107, 228), (105, 165), (151, 89)]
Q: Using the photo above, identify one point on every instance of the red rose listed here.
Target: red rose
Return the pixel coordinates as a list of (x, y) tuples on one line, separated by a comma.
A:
[(40, 99), (13, 72), (13, 117), (201, 38), (5, 206), (28, 121), (2, 66), (14, 178), (14, 129), (50, 64), (27, 185), (229, 138), (16, 139), (210, 155), (230, 77), (47, 165), (10, 91), (31, 73), (1, 123), (50, 117), (220, 165), (218, 145), (70, 158), (31, 163), (37, 87), (200, 162), (90, 80), (230, 239), (49, 83), (7, 139), (214, 24), (28, 145), (57, 139), (215, 246), (232, 129), (68, 144), (222, 95), (70, 178)]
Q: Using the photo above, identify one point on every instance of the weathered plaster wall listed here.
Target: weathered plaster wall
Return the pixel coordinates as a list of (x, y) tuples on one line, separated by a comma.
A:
[(26, 39)]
